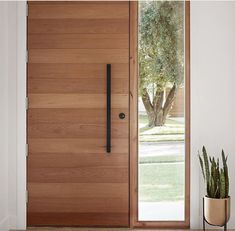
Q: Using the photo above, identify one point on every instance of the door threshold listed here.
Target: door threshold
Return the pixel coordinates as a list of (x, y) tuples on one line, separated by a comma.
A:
[(93, 229), (77, 229)]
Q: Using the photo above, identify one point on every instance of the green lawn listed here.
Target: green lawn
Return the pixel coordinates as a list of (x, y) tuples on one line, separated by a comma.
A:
[(161, 177), (161, 182), (161, 159), (173, 130)]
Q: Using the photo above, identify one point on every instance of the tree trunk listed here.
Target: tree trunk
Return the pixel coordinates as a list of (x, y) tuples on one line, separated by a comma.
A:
[(148, 107), (159, 120), (158, 107), (169, 102), (157, 111)]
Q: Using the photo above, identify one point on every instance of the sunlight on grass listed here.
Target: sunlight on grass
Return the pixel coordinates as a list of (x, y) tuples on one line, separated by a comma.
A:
[(161, 182), (161, 138), (162, 159), (173, 130)]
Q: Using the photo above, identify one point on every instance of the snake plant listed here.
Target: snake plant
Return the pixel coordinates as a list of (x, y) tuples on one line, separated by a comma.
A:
[(216, 178)]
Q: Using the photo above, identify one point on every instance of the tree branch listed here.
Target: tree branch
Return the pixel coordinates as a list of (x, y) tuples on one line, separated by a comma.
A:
[(148, 107), (158, 100), (169, 101), (146, 100)]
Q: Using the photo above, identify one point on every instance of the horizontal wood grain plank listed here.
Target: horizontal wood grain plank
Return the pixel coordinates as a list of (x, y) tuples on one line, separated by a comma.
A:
[(76, 101), (71, 70), (71, 179), (83, 85), (89, 41), (76, 145), (78, 190), (73, 219), (119, 130), (78, 175), (119, 10), (78, 56), (71, 160), (68, 115), (68, 205), (83, 26)]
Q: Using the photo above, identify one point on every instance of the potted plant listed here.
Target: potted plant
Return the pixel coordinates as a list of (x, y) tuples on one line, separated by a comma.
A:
[(217, 200)]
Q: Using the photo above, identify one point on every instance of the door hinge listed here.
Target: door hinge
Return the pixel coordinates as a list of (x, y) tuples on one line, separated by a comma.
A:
[(26, 150), (26, 103), (27, 196)]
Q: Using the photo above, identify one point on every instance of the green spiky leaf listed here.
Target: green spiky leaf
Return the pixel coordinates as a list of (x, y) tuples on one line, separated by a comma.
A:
[(216, 178), (202, 167)]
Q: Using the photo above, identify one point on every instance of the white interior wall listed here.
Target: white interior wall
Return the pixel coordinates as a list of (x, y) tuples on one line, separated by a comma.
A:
[(3, 118), (12, 112), (12, 104), (212, 88), (212, 107)]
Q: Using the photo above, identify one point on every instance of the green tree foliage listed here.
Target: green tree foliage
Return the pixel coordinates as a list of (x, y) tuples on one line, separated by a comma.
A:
[(161, 56)]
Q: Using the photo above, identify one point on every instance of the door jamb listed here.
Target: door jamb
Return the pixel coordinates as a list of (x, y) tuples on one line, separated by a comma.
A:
[(134, 125), (133, 112)]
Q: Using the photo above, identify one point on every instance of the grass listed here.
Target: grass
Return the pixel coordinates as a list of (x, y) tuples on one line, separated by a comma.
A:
[(161, 177), (161, 159), (161, 182), (173, 130), (161, 138)]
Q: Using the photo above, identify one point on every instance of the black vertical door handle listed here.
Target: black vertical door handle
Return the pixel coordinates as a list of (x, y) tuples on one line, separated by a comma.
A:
[(108, 106)]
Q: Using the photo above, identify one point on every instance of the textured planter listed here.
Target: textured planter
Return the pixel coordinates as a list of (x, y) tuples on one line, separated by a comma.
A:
[(214, 210)]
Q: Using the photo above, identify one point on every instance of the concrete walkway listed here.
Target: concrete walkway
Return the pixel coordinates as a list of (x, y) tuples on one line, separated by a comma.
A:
[(164, 148)]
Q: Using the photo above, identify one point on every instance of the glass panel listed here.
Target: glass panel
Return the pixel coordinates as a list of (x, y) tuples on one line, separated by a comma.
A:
[(161, 111)]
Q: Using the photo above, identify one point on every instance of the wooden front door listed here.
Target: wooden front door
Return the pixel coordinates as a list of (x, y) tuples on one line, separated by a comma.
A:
[(72, 180)]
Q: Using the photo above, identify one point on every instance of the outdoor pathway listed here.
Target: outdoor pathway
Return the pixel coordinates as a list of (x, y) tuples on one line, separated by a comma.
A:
[(161, 148)]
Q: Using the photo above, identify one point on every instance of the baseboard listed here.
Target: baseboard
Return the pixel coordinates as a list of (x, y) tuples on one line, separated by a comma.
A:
[(12, 222), (4, 224)]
